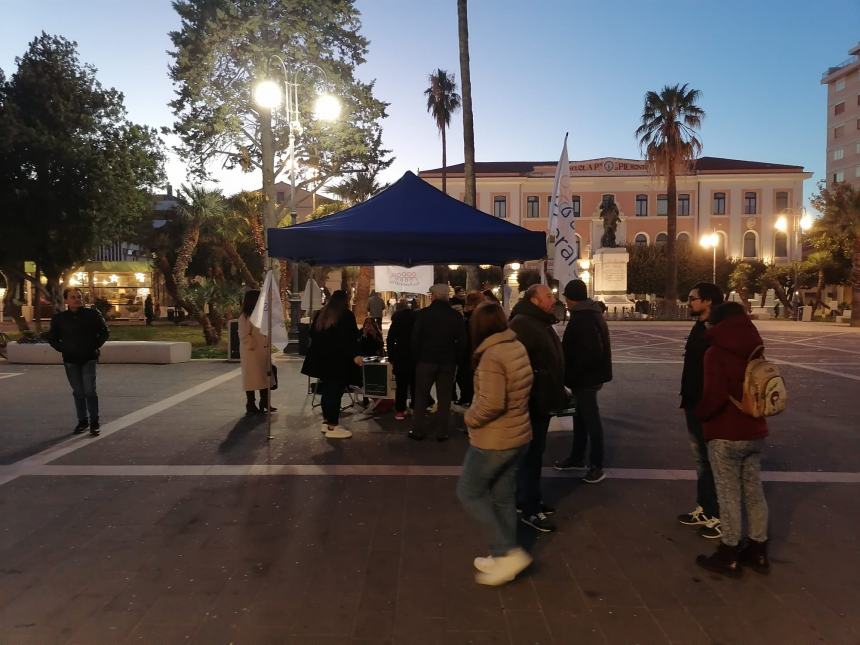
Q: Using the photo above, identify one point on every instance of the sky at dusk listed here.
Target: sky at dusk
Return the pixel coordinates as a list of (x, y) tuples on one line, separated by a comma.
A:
[(539, 69)]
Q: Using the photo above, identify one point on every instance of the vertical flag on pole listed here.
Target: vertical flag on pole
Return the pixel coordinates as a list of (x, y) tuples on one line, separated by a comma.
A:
[(270, 302), (560, 227)]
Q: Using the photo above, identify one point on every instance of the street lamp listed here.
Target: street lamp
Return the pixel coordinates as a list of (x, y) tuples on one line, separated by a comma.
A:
[(800, 223), (268, 95), (711, 241)]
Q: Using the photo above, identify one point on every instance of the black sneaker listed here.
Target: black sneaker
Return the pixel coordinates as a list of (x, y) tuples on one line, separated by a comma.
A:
[(594, 475), (94, 428), (539, 521), (83, 424), (546, 509), (570, 464)]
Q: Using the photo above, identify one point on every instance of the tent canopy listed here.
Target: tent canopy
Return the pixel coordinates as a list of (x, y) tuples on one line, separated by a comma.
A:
[(407, 224)]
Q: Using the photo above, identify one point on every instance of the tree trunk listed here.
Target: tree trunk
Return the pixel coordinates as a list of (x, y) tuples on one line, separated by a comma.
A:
[(250, 281), (855, 289), (183, 258), (444, 164), (11, 304), (782, 296), (819, 291), (671, 295), (362, 294), (466, 87), (284, 280)]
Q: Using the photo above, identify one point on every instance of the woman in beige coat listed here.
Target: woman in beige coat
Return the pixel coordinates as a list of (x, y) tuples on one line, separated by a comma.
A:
[(499, 434), (255, 355)]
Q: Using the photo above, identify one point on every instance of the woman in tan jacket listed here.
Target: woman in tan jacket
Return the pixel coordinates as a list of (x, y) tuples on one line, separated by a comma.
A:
[(254, 354), (499, 434)]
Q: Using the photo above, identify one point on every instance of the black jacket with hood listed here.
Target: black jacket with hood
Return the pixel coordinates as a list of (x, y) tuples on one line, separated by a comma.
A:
[(533, 327), (587, 352)]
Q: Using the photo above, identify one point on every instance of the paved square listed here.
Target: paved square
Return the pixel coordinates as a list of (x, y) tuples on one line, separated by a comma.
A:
[(182, 523)]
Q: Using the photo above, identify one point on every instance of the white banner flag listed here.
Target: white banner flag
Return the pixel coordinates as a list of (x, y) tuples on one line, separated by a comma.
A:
[(411, 280), (270, 297), (560, 228)]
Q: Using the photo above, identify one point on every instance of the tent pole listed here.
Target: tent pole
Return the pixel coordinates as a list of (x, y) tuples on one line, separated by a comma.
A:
[(269, 299)]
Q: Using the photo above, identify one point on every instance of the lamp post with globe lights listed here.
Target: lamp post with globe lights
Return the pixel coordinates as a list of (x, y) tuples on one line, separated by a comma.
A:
[(801, 221), (711, 241), (270, 94)]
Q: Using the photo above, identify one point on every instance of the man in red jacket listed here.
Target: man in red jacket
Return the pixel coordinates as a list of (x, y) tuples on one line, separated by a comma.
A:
[(735, 441)]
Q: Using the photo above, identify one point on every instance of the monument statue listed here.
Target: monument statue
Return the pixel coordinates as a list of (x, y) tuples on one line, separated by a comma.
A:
[(610, 216)]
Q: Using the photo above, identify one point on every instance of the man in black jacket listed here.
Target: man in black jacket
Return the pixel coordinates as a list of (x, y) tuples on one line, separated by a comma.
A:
[(438, 339), (400, 355), (533, 327), (706, 515), (78, 333), (587, 366)]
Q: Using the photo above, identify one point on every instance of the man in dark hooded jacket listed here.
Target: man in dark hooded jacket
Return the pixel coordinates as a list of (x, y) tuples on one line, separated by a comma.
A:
[(587, 366), (533, 327)]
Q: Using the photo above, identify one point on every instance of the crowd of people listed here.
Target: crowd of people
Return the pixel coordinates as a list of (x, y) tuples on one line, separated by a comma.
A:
[(514, 374)]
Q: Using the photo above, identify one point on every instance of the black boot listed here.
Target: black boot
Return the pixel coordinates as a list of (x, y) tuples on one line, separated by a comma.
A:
[(83, 424), (724, 560), (754, 555), (250, 406), (264, 402), (94, 427)]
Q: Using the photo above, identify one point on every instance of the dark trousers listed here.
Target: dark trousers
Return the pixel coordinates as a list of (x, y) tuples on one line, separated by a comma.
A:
[(465, 383), (706, 491), (331, 392), (426, 375), (587, 427), (404, 388), (82, 378), (528, 476)]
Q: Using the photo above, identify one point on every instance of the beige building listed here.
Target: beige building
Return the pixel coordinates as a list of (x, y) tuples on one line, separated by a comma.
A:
[(739, 200), (843, 119)]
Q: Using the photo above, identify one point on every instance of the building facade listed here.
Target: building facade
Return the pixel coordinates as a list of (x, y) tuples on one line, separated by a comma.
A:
[(843, 120), (739, 200)]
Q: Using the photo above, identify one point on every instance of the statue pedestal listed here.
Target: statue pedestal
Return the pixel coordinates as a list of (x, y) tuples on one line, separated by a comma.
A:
[(609, 268)]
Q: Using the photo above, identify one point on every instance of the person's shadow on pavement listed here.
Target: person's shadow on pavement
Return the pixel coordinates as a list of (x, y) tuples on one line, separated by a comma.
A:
[(240, 431)]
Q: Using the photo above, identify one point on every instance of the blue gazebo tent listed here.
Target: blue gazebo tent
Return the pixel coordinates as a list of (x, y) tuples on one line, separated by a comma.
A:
[(407, 224)]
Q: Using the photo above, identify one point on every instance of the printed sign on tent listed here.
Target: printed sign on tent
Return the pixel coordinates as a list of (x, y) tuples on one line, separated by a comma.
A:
[(412, 279)]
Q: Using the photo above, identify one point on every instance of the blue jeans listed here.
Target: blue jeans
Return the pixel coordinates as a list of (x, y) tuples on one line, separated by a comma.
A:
[(487, 490), (706, 492), (82, 378)]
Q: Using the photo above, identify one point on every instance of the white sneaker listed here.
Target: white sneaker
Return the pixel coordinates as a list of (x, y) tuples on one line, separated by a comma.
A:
[(505, 568), (485, 565), (338, 432)]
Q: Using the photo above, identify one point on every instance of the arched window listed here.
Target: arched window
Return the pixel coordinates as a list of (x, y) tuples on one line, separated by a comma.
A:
[(641, 240), (750, 245), (661, 240), (683, 242), (780, 245)]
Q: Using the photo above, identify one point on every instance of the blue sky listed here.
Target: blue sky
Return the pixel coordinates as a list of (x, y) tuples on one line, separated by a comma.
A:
[(539, 69)]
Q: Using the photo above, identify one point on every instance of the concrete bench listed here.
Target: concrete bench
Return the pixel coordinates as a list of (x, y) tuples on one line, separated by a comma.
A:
[(113, 351)]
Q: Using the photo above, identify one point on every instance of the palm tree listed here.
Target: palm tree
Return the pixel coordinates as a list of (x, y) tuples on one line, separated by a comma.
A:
[(472, 277), (198, 207), (442, 102), (667, 138)]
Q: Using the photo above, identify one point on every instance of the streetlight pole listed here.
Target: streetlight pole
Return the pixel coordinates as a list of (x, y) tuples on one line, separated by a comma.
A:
[(268, 96), (799, 224), (711, 240)]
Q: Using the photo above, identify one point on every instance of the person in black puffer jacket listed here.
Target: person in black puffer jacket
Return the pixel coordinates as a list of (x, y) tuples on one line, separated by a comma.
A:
[(78, 334), (587, 366)]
